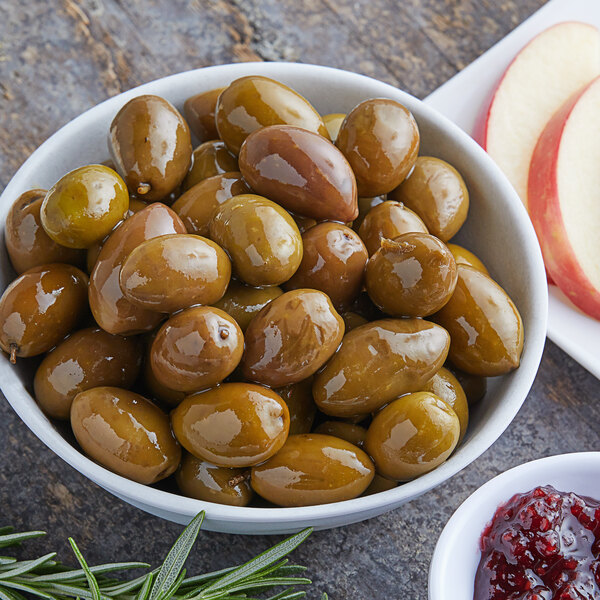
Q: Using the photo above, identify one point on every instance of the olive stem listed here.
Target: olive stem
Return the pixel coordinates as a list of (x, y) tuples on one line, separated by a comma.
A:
[(237, 479), (143, 188), (13, 353)]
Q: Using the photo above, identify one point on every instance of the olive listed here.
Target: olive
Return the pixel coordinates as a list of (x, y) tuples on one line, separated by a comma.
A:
[(232, 425), (83, 206), (353, 320), (40, 307), (125, 433), (412, 436), (364, 206), (254, 102), (199, 111), (199, 204), (474, 386), (334, 262), (411, 276), (363, 306), (209, 159), (196, 349), (204, 481), (88, 358), (484, 324), (388, 220), (300, 170), (27, 243), (355, 434), (262, 240), (111, 309), (172, 272), (437, 193), (333, 122), (304, 223), (313, 469), (243, 303), (378, 362), (380, 139), (291, 338), (462, 256), (300, 403), (150, 143), (380, 484)]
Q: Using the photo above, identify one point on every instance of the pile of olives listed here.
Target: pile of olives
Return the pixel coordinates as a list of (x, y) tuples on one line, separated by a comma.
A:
[(276, 313)]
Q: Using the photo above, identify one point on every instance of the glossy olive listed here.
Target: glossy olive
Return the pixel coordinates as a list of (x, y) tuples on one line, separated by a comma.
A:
[(388, 220), (379, 362), (462, 256), (334, 262), (202, 480), (412, 436), (353, 320), (40, 307), (125, 433), (485, 325), (355, 434), (300, 170), (209, 159), (27, 242), (232, 425), (380, 484), (313, 469), (83, 206), (254, 102), (364, 307), (199, 111), (150, 143), (438, 194), (380, 139), (300, 403), (411, 276), (304, 223), (333, 122), (261, 238), (474, 386), (198, 205), (291, 338), (365, 204), (111, 309)]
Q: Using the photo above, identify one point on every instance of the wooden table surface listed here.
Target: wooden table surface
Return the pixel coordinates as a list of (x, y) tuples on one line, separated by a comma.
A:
[(57, 59)]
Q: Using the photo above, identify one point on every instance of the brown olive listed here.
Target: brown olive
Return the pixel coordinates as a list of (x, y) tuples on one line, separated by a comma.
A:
[(364, 206), (378, 362), (411, 276), (199, 111), (353, 320), (355, 434), (40, 307), (291, 338), (462, 256), (232, 425), (209, 159), (484, 324), (474, 386), (254, 102), (380, 139), (437, 193), (125, 433), (380, 484), (300, 170), (313, 469), (300, 403), (333, 122), (304, 223)]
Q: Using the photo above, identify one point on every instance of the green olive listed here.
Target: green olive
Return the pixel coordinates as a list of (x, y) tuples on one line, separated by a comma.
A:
[(199, 112), (300, 403), (462, 256), (474, 386), (380, 484), (355, 434), (353, 320), (209, 159), (333, 122)]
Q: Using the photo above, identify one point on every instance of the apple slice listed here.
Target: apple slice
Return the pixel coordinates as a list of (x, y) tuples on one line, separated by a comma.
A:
[(564, 197), (544, 75)]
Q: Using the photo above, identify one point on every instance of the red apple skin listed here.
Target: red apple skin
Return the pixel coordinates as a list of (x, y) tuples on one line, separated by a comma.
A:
[(545, 211)]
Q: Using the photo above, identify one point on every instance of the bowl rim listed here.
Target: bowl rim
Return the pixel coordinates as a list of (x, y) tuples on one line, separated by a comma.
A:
[(358, 507)]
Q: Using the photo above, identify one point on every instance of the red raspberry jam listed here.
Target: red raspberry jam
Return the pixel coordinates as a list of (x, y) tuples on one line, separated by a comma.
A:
[(542, 545)]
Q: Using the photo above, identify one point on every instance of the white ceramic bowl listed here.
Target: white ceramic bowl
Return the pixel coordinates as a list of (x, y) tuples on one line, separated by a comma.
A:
[(497, 229), (457, 555)]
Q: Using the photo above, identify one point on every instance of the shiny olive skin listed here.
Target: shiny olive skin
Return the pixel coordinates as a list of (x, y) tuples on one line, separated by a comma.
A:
[(380, 139), (313, 469), (261, 238), (334, 262), (125, 433), (355, 434), (209, 159), (388, 220), (411, 276), (84, 205), (485, 325), (364, 206), (447, 387), (304, 223), (202, 480), (412, 436), (199, 204), (474, 386), (300, 170), (462, 256), (378, 362), (111, 309), (232, 425), (254, 102), (243, 302), (151, 145), (333, 122), (300, 403), (199, 111), (353, 320), (291, 338), (380, 484), (173, 272), (27, 242), (40, 307), (436, 191)]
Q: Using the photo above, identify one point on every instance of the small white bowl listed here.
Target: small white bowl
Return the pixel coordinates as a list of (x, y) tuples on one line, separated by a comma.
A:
[(457, 555), (497, 229)]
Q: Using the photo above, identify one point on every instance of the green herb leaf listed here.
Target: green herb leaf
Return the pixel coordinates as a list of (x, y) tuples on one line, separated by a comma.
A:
[(91, 579), (145, 589), (27, 566), (97, 570), (10, 539)]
